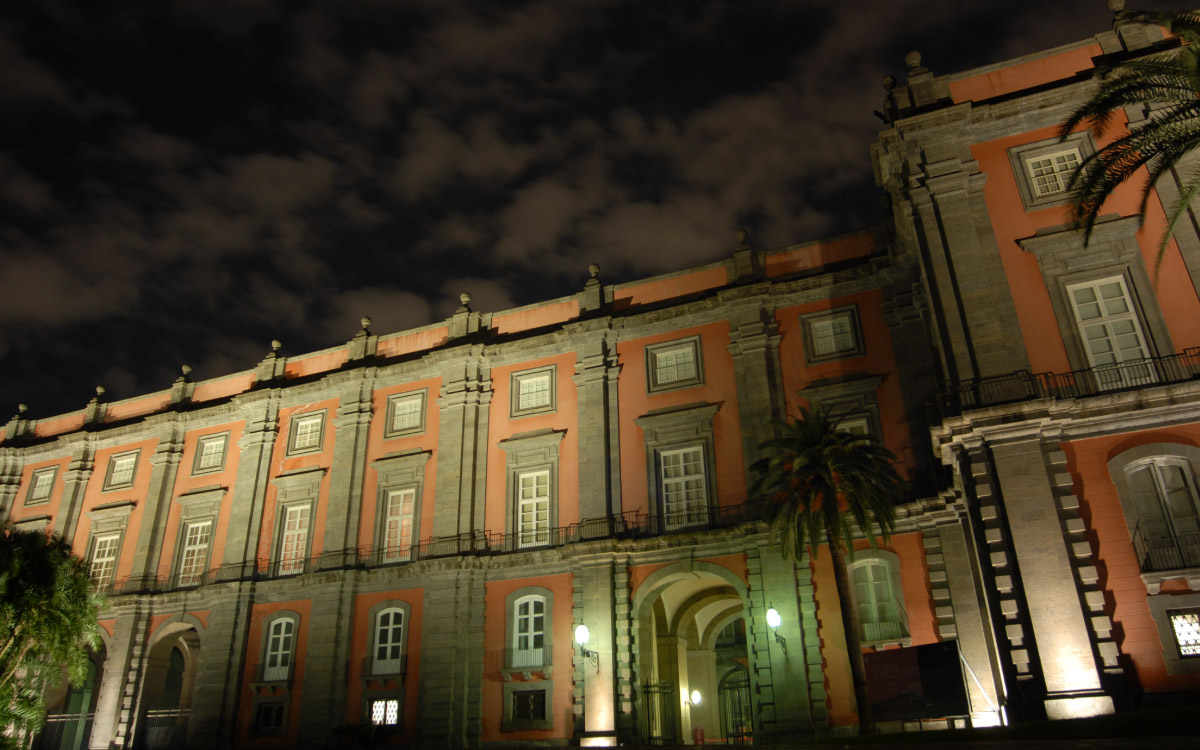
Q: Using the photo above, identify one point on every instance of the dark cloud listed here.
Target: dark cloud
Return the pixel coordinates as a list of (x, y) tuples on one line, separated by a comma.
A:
[(184, 181)]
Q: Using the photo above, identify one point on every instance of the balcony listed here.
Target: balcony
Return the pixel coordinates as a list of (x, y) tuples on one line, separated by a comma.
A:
[(1162, 552), (1026, 386), (372, 667)]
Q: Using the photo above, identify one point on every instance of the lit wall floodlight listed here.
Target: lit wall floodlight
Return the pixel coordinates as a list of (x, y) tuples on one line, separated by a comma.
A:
[(773, 618), (774, 621), (582, 634), (695, 697)]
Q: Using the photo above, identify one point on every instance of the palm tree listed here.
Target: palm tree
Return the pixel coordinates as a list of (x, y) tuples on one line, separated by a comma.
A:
[(1170, 83), (48, 610), (821, 484)]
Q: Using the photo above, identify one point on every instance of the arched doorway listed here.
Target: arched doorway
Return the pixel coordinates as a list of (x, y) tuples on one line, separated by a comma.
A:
[(171, 668), (70, 709), (682, 612)]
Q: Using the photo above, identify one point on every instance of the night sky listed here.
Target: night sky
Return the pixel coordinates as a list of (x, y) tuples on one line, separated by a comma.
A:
[(185, 180)]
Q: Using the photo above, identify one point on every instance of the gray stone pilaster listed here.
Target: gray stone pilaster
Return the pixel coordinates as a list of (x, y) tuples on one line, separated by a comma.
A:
[(75, 481), (351, 426), (462, 445), (595, 686), (452, 650), (599, 497), (1059, 627), (323, 699), (116, 706), (164, 464), (623, 646), (253, 474), (779, 658), (218, 687), (11, 466), (904, 311), (754, 347)]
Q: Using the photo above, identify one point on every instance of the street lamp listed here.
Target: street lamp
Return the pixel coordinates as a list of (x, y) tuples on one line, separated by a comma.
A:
[(581, 637), (774, 621)]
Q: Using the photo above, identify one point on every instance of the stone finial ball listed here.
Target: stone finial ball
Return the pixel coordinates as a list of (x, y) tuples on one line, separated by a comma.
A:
[(186, 369), (100, 390), (366, 322), (464, 298), (913, 59), (594, 270), (742, 235), (22, 408), (889, 83), (276, 345)]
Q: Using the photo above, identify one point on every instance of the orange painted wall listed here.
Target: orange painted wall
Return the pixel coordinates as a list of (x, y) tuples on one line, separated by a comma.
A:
[(1024, 75), (210, 390), (669, 288), (378, 446), (496, 635), (359, 650), (158, 620), (46, 507), (94, 496), (1177, 298), (280, 462), (502, 426), (255, 656), (537, 317), (818, 254), (394, 346), (185, 482), (136, 408), (719, 387), (878, 359), (736, 564), (315, 363), (58, 425), (1126, 599), (918, 604)]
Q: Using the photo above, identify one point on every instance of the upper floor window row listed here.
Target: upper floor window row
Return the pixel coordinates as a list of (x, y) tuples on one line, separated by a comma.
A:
[(1043, 169), (832, 334), (533, 391), (41, 484), (674, 364), (121, 469), (307, 433)]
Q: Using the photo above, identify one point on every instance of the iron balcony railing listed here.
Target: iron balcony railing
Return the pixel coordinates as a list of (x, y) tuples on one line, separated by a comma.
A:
[(1093, 381), (1166, 550), (67, 731), (165, 728), (373, 667)]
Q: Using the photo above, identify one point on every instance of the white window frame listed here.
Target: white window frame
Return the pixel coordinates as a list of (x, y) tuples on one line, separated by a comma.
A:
[(202, 464), (385, 712), (39, 479), (280, 649), (534, 496), (885, 621), (398, 526), (1161, 517), (1021, 157), (682, 508), (1186, 623), (546, 401), (387, 643), (103, 569), (293, 542), (1119, 374), (662, 367), (193, 553), (528, 628), (122, 470), (847, 341), (410, 404), (1062, 163), (303, 439)]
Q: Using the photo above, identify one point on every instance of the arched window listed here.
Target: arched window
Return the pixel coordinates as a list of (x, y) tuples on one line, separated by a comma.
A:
[(387, 656), (281, 639), (875, 588), (529, 632), (1163, 490)]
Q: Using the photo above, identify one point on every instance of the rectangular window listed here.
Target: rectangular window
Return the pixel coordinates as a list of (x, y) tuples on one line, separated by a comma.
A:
[(40, 485), (306, 433), (406, 414), (533, 391), (674, 364), (1050, 174), (104, 559), (280, 637), (120, 471), (385, 712), (528, 705), (855, 426), (1111, 332), (1186, 625), (196, 536), (685, 498), (389, 643), (398, 525), (533, 508), (210, 454), (268, 718), (293, 544), (832, 334), (529, 632)]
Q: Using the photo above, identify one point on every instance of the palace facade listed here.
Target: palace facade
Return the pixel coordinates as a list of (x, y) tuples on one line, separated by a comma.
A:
[(410, 529)]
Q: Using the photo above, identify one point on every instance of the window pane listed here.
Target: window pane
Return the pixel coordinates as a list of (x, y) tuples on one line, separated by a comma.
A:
[(406, 413), (675, 365), (534, 391), (685, 497), (1186, 624), (195, 548), (529, 632)]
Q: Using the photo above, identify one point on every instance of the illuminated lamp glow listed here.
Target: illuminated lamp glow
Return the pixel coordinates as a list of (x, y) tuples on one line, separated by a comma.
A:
[(695, 697), (773, 618), (582, 635)]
